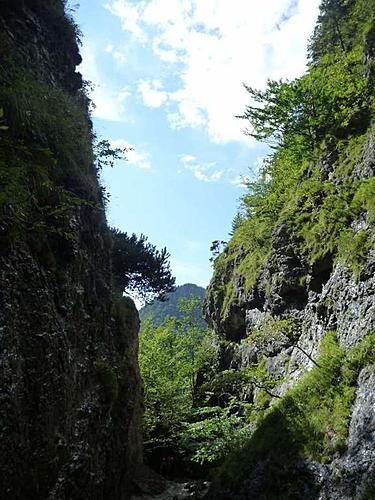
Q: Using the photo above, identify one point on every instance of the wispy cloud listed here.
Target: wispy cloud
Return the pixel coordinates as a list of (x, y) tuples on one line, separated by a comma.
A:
[(129, 14), (135, 156), (205, 172), (239, 181), (119, 57), (152, 94), (213, 48), (110, 104)]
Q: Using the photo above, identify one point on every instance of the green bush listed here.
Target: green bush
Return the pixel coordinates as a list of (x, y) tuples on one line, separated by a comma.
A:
[(284, 329), (353, 249), (215, 433), (171, 358), (310, 421)]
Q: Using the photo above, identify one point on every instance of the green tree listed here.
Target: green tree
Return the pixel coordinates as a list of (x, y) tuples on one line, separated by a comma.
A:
[(236, 222), (276, 112), (139, 268), (217, 246), (326, 101), (329, 32), (106, 154), (171, 357), (166, 377)]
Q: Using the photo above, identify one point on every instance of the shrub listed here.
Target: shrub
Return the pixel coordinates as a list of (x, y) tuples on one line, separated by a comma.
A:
[(311, 420)]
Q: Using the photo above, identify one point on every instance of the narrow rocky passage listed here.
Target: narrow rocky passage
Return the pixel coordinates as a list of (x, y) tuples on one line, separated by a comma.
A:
[(259, 387), (193, 490)]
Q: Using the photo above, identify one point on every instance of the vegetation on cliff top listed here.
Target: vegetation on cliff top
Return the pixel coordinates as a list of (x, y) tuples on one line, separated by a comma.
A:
[(320, 127), (49, 164), (317, 127), (139, 268)]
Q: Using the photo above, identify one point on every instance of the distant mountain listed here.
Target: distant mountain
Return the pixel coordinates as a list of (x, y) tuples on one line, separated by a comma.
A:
[(160, 310)]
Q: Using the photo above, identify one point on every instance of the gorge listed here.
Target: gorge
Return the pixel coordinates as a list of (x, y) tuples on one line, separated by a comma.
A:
[(287, 370)]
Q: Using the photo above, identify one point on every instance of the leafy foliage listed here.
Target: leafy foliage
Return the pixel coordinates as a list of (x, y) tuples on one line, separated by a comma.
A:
[(331, 97), (215, 421), (201, 412), (139, 268), (46, 160), (317, 126), (354, 249), (215, 248), (106, 154), (341, 25), (160, 310), (49, 116), (213, 435), (311, 420), (171, 357), (238, 219)]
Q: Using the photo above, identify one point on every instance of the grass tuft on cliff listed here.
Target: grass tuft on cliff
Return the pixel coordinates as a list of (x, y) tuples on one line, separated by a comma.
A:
[(318, 127)]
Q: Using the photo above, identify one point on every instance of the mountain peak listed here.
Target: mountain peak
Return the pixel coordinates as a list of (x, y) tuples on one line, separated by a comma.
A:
[(159, 310)]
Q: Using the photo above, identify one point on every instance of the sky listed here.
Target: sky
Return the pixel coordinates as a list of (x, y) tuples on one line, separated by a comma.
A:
[(168, 81)]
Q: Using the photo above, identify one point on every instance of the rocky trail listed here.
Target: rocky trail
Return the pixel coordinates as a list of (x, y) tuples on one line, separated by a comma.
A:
[(193, 490)]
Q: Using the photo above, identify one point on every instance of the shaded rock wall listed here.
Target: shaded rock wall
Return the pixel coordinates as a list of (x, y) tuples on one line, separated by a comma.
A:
[(329, 298), (70, 391), (309, 300)]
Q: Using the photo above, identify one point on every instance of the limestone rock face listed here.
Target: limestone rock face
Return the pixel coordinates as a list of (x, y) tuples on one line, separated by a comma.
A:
[(313, 299), (328, 298), (358, 460), (70, 389)]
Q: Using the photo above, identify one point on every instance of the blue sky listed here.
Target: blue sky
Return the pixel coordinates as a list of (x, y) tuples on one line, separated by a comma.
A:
[(168, 80)]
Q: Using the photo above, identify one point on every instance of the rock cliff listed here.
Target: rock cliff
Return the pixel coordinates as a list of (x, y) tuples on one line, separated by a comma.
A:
[(71, 405), (276, 317)]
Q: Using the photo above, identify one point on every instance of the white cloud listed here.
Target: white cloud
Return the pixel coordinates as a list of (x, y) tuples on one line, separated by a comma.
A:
[(239, 181), (123, 95), (152, 94), (135, 156), (129, 15), (109, 103), (119, 57), (166, 55), (205, 172), (216, 45), (187, 158)]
